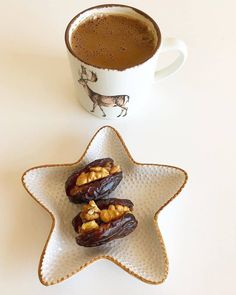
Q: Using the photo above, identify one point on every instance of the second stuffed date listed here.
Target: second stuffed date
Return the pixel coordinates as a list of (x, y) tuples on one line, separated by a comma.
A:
[(101, 222)]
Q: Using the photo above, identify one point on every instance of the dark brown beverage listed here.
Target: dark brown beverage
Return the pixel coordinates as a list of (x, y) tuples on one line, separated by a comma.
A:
[(113, 41)]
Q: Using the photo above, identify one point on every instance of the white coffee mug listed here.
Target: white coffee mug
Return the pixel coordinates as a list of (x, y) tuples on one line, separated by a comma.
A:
[(109, 93)]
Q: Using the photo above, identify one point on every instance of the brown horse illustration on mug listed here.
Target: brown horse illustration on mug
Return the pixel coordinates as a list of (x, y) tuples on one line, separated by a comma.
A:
[(102, 100)]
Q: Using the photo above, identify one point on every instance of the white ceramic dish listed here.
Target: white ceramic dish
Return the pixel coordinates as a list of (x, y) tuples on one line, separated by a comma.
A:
[(149, 186)]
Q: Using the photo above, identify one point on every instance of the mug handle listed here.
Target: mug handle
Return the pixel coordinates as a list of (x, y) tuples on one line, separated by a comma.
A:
[(172, 44)]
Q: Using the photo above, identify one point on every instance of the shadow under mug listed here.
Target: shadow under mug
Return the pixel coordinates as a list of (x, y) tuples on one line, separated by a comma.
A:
[(112, 94)]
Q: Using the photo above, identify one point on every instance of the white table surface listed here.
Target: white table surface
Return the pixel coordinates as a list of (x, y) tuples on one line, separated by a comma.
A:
[(189, 121)]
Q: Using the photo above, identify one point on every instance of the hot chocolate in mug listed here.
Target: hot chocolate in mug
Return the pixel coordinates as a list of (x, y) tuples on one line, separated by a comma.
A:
[(116, 93)]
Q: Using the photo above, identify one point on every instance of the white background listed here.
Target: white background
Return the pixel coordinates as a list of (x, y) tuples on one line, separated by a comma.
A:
[(189, 121)]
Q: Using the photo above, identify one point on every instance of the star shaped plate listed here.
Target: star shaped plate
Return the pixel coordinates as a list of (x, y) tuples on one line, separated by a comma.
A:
[(149, 186)]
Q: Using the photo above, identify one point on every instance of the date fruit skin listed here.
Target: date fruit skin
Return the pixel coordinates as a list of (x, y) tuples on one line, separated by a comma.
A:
[(107, 232), (94, 190), (104, 203)]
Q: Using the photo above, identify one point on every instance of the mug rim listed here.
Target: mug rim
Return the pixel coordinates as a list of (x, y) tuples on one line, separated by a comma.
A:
[(156, 27)]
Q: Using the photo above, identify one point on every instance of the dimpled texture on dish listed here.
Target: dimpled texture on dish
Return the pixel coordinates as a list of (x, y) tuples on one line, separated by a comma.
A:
[(149, 186)]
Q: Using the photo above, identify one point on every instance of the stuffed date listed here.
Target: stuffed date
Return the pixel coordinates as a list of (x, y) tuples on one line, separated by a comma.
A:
[(95, 181), (106, 220)]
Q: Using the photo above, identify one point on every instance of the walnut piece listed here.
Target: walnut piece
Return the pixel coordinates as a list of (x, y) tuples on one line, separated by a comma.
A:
[(90, 211), (89, 226), (96, 173), (113, 212)]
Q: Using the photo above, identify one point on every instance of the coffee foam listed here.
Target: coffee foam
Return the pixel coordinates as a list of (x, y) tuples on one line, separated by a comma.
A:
[(113, 41)]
